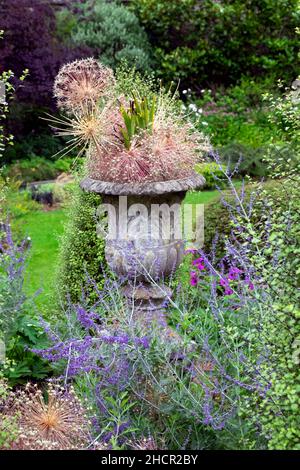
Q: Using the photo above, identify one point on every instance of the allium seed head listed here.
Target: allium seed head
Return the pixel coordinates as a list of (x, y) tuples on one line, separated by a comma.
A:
[(80, 84), (57, 421)]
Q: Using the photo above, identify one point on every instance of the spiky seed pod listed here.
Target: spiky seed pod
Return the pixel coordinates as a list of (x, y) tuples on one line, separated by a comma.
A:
[(80, 84), (169, 152), (57, 421)]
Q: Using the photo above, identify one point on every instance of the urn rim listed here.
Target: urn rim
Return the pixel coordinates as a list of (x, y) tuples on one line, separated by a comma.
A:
[(147, 188)]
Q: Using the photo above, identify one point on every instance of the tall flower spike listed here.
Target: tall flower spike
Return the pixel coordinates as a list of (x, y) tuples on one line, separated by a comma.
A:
[(80, 84)]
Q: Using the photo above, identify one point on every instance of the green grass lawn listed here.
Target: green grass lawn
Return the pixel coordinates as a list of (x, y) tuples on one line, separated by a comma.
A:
[(201, 197), (44, 229)]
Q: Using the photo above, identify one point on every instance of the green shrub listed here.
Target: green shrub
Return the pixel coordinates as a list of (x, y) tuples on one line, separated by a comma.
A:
[(218, 42), (32, 144), (278, 411), (213, 175), (272, 227), (237, 114), (217, 222), (114, 33), (284, 112), (82, 251), (37, 169), (282, 428), (248, 160), (239, 124)]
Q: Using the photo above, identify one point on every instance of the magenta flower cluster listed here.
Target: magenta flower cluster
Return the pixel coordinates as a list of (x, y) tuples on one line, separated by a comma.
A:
[(199, 265), (234, 274)]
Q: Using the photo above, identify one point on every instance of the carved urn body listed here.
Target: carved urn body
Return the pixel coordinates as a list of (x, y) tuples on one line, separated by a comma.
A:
[(144, 235)]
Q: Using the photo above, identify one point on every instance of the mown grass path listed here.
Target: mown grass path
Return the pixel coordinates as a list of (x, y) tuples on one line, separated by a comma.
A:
[(44, 229)]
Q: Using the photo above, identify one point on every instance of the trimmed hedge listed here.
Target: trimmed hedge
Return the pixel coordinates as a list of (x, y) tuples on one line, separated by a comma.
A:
[(82, 251)]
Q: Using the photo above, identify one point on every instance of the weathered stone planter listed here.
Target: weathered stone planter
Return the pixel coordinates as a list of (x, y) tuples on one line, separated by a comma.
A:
[(145, 241)]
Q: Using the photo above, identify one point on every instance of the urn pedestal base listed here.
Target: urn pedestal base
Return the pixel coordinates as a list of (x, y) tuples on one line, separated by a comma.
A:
[(148, 305), (147, 243)]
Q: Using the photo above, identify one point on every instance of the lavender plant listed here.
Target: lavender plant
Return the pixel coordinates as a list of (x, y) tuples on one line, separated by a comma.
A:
[(96, 349), (226, 376), (19, 325)]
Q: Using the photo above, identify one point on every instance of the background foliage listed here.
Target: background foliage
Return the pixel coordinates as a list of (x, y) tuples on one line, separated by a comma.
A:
[(200, 42), (114, 34), (30, 42)]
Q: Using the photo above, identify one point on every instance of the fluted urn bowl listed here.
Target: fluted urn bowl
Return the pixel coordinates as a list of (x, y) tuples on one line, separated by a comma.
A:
[(144, 241)]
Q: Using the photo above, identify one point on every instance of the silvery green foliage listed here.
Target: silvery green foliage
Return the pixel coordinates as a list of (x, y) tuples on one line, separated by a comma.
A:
[(114, 33)]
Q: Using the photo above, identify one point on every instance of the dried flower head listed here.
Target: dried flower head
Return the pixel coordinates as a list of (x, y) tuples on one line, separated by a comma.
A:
[(54, 420), (144, 138), (169, 152), (144, 444), (85, 130), (116, 163), (80, 84)]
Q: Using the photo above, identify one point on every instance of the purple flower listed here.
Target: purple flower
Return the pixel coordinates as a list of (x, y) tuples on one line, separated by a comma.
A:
[(144, 341), (227, 289), (249, 282), (234, 273), (193, 278), (199, 264)]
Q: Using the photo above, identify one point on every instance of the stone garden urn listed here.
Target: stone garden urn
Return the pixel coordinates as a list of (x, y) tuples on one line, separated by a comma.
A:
[(144, 237)]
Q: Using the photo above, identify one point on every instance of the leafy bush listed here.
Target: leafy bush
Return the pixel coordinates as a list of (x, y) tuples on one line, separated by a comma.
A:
[(240, 124), (37, 141), (113, 33), (218, 225), (247, 160), (282, 426), (284, 337), (235, 115), (284, 112), (220, 41), (37, 169), (274, 208), (81, 252), (213, 175)]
